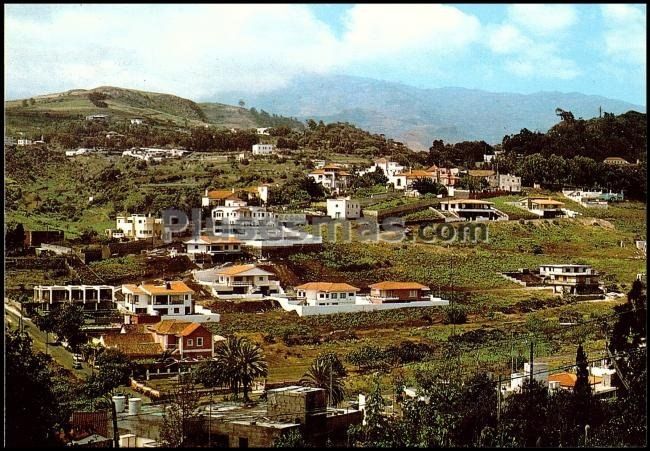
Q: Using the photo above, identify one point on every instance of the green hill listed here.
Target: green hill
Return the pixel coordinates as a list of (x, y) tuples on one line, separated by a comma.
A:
[(30, 115)]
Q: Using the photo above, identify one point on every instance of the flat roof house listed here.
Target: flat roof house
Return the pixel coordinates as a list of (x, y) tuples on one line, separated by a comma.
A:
[(544, 207), (263, 149), (293, 408), (326, 293), (88, 297), (343, 208), (574, 279), (473, 209), (389, 291), (139, 226)]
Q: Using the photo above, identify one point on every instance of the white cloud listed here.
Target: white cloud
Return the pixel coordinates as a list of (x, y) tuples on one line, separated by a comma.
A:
[(526, 48), (506, 39), (625, 35), (385, 30), (543, 19), (197, 50)]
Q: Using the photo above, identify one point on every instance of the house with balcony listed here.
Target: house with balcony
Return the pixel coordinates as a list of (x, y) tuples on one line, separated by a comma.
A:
[(326, 293), (90, 298), (544, 207), (162, 300), (224, 246), (572, 279), (244, 281), (389, 292), (332, 176), (473, 210), (137, 227)]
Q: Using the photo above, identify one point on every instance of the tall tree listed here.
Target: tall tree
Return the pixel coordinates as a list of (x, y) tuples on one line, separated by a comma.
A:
[(31, 407), (327, 372), (242, 362)]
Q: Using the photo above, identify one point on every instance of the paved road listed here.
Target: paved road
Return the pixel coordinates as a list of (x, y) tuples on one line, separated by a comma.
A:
[(59, 353)]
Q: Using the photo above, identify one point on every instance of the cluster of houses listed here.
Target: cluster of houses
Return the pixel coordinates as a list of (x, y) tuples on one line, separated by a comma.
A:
[(153, 153), (592, 199), (600, 379)]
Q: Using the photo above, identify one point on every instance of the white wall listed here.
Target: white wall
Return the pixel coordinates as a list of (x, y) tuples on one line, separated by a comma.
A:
[(307, 310)]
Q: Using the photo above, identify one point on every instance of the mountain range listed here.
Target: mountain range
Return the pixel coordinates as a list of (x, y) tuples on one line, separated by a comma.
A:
[(417, 116)]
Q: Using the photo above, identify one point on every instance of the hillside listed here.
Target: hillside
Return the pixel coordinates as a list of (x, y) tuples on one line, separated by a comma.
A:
[(162, 109), (418, 116)]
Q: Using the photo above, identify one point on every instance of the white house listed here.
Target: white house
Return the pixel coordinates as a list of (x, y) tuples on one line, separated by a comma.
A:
[(24, 142), (74, 153), (343, 208), (473, 209), (332, 176), (97, 117), (137, 121), (575, 279), (242, 280), (218, 197), (263, 149), (386, 166), (139, 226), (326, 293), (169, 299), (263, 131), (505, 182), (88, 297), (213, 245)]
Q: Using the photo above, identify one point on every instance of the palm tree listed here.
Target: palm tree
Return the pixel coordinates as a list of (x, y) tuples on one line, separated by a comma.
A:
[(327, 372), (242, 362)]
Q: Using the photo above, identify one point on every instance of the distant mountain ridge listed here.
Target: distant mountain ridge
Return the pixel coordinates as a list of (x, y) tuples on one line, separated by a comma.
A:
[(417, 116)]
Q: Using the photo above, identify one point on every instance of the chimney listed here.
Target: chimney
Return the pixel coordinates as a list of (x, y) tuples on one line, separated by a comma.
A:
[(168, 285)]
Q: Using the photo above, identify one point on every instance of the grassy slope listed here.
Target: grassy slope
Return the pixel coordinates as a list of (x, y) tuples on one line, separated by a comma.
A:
[(123, 103)]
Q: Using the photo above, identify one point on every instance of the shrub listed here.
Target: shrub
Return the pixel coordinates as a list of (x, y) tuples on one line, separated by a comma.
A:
[(455, 314)]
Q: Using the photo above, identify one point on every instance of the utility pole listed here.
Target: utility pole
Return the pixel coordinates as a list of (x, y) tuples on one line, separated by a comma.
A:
[(531, 361), (451, 282), (499, 401), (330, 383), (512, 356)]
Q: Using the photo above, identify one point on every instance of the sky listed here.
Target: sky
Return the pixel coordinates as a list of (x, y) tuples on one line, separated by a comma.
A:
[(197, 51)]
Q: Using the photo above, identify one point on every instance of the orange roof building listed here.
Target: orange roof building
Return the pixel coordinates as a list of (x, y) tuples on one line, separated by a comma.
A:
[(183, 339), (173, 298), (326, 293), (389, 291)]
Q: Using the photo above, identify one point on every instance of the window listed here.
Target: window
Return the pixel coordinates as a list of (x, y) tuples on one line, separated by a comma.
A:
[(176, 310), (190, 342), (334, 295), (413, 293), (199, 341), (321, 295), (196, 246)]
